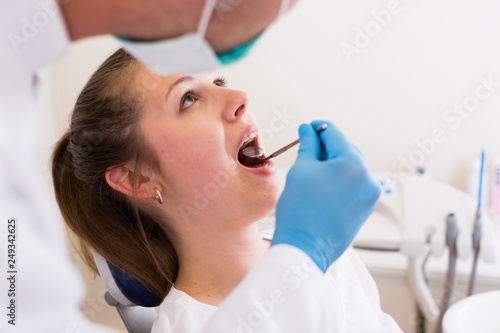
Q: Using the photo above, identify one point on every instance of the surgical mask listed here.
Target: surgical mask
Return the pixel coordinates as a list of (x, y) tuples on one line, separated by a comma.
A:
[(189, 53)]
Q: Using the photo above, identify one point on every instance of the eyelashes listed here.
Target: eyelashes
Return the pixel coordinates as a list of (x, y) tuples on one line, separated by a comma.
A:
[(221, 81), (190, 97)]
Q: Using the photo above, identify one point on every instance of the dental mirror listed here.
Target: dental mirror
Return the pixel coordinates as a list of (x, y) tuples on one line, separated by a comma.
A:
[(257, 152)]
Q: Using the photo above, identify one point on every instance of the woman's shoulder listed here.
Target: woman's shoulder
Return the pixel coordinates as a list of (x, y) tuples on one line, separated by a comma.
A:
[(180, 313)]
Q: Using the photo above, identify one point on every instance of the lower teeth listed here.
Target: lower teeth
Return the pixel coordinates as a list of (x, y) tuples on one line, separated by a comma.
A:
[(261, 165)]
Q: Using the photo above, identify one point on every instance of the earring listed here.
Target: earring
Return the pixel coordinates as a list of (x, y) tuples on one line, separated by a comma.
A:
[(158, 197)]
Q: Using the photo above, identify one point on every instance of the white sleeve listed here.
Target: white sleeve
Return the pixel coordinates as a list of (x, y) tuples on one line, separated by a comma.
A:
[(42, 291), (34, 33), (285, 292)]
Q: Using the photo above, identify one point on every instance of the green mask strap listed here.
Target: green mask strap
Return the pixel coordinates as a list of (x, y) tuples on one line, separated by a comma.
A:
[(237, 53)]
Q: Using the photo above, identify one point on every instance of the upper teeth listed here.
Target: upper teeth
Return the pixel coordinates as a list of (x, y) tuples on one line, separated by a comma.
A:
[(250, 137)]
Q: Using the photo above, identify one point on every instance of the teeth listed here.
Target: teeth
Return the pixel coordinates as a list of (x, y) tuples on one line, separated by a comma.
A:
[(250, 137)]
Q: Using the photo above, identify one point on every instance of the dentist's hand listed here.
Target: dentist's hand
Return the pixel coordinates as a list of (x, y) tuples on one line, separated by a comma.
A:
[(329, 194)]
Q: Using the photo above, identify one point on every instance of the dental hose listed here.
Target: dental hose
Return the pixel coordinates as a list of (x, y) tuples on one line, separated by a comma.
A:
[(477, 232), (421, 319), (451, 242)]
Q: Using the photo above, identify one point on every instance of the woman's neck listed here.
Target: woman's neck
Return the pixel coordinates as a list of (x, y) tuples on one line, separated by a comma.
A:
[(213, 263)]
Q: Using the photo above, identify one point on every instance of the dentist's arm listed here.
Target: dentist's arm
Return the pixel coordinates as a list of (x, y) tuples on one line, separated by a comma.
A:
[(328, 195)]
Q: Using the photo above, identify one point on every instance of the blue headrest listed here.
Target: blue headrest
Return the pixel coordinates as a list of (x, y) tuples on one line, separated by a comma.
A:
[(134, 290), (123, 287)]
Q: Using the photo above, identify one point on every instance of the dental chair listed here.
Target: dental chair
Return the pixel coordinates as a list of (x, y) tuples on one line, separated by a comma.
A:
[(133, 301)]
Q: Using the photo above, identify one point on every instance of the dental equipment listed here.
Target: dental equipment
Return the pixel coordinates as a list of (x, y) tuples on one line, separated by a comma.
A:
[(477, 232), (451, 242), (257, 152), (421, 319), (417, 207)]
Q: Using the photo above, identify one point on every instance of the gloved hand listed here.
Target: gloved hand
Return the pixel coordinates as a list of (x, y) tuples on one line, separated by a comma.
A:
[(328, 195)]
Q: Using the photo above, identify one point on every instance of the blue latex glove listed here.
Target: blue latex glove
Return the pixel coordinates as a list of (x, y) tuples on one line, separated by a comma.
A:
[(329, 193)]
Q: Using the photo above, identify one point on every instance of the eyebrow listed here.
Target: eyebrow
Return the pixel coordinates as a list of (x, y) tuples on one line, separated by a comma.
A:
[(178, 81)]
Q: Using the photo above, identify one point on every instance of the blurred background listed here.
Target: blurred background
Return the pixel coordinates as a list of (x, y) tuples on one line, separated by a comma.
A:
[(411, 83)]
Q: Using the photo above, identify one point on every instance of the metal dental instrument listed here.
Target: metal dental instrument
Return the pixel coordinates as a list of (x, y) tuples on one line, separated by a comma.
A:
[(257, 152)]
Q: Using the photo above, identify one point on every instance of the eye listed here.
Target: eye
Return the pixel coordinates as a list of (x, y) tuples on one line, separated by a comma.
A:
[(221, 81), (188, 99)]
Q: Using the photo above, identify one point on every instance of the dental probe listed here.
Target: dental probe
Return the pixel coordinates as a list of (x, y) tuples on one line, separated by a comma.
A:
[(257, 152)]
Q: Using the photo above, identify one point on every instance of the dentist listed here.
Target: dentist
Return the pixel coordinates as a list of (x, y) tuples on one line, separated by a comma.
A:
[(329, 191)]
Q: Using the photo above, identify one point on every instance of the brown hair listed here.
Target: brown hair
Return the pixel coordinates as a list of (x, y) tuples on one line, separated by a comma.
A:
[(103, 133)]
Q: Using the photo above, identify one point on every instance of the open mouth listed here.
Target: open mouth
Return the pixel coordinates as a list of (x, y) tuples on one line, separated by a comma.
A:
[(251, 162)]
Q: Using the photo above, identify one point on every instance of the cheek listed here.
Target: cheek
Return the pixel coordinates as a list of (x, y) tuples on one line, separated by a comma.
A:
[(188, 160), (195, 153)]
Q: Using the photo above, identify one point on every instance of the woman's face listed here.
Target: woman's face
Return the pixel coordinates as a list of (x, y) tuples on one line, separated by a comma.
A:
[(197, 126)]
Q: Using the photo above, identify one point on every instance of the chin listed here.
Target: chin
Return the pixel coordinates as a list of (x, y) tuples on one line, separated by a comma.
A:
[(253, 203), (266, 205)]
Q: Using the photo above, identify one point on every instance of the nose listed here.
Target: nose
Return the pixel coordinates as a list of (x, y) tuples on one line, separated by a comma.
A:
[(236, 105)]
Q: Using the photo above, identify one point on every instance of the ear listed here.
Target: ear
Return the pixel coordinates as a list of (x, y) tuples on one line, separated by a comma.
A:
[(121, 178)]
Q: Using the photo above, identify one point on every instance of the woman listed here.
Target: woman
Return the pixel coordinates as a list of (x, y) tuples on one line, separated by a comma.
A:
[(165, 194)]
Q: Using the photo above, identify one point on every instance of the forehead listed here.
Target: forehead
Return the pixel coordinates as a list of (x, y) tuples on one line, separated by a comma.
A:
[(149, 78), (152, 84)]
